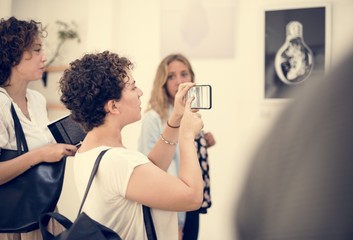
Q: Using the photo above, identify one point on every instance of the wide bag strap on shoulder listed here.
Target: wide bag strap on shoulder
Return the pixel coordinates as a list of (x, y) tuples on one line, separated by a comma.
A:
[(20, 136)]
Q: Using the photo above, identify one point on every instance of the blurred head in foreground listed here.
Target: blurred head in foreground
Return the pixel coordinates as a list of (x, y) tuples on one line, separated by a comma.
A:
[(299, 185)]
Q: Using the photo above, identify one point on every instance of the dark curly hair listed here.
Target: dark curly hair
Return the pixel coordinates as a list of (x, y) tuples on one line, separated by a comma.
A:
[(90, 83), (16, 37)]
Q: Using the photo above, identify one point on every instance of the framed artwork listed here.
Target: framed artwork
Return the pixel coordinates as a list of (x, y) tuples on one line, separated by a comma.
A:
[(297, 47), (199, 29)]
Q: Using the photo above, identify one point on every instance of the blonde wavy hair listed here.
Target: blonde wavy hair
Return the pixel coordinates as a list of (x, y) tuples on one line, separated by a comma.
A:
[(160, 99)]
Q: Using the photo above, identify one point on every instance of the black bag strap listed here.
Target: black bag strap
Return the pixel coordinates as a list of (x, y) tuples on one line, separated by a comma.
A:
[(20, 136), (147, 218), (21, 142), (93, 173)]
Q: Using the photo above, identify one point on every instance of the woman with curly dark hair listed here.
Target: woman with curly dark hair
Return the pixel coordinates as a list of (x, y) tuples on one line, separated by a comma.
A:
[(21, 61), (102, 95)]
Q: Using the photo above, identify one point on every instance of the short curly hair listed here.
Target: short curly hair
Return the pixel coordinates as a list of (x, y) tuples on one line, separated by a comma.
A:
[(16, 37), (90, 83)]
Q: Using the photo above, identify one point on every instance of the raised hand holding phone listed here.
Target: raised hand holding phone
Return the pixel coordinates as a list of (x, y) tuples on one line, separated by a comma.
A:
[(191, 121), (203, 96)]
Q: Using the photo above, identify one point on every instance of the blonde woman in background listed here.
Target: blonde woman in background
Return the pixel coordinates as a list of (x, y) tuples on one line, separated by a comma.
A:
[(172, 71)]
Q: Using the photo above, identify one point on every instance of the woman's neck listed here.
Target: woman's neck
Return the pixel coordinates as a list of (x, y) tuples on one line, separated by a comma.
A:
[(17, 90), (18, 94), (102, 136)]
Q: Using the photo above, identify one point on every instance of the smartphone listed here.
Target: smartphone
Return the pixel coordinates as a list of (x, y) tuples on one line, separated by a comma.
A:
[(203, 96)]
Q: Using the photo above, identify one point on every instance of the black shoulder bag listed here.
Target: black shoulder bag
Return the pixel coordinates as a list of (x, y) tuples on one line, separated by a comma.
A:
[(86, 228), (34, 192)]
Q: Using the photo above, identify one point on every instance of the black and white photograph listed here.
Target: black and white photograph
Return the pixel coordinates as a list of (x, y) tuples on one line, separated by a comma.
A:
[(295, 48)]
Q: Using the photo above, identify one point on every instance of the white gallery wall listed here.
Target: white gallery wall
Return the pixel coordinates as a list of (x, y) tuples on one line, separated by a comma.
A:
[(239, 118)]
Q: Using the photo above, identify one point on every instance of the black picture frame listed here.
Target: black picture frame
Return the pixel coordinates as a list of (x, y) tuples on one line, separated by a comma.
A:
[(314, 21)]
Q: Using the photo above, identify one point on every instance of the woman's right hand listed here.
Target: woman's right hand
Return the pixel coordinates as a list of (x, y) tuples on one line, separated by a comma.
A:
[(191, 123), (179, 103), (48, 153), (55, 152)]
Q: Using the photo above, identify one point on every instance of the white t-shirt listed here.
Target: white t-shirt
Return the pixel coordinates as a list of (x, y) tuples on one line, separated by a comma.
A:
[(106, 202), (36, 130)]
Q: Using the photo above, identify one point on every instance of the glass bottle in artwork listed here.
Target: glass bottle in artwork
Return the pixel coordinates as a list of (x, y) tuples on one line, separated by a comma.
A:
[(294, 59)]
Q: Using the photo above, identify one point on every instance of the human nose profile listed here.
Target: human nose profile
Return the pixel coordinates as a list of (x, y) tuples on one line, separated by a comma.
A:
[(141, 92), (44, 57)]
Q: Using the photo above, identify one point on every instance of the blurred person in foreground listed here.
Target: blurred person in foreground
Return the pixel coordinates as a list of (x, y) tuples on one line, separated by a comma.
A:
[(299, 182)]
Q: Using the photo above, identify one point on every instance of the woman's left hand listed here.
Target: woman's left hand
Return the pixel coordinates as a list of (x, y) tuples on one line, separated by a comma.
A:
[(210, 141)]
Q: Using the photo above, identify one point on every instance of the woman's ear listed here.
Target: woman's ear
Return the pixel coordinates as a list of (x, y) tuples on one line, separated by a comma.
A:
[(112, 106)]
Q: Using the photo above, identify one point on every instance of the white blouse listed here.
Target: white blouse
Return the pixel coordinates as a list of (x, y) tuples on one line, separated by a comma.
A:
[(36, 130)]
